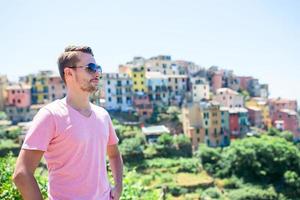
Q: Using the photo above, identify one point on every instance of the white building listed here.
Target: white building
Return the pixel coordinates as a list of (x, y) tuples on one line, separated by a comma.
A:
[(157, 84), (200, 89), (229, 98), (117, 89)]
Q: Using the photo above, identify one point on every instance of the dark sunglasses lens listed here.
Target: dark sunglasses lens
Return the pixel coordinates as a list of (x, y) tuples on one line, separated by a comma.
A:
[(93, 68)]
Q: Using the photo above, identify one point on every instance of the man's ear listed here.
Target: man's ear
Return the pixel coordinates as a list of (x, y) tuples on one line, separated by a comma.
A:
[(67, 72)]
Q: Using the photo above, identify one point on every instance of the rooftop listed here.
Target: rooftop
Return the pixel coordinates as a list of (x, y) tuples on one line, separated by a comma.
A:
[(155, 130)]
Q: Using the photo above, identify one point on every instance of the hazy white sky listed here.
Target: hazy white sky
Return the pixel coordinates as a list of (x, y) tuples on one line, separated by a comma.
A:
[(260, 38)]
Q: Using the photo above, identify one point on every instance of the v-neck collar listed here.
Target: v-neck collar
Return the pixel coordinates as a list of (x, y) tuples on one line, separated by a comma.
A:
[(64, 100)]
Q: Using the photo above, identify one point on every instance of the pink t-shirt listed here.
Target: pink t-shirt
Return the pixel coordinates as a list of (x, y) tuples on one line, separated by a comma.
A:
[(75, 150)]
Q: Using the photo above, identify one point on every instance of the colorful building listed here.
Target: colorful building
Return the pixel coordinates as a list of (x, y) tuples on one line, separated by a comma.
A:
[(57, 88), (200, 89), (289, 119), (229, 98), (142, 105), (202, 123), (139, 80), (177, 87), (118, 91), (217, 81), (3, 93), (39, 86), (262, 104), (157, 84), (255, 116), (277, 104), (192, 123), (211, 124), (18, 95), (238, 122)]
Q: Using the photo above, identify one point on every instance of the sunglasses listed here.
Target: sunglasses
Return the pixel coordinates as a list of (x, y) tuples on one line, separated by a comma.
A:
[(90, 68)]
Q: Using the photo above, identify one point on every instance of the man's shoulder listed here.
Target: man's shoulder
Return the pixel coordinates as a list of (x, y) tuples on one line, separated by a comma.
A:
[(99, 110), (55, 107)]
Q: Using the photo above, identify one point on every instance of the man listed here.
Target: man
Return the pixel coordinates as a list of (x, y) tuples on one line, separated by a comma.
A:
[(74, 136)]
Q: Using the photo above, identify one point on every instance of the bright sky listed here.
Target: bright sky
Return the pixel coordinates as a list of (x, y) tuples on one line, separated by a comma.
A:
[(260, 38)]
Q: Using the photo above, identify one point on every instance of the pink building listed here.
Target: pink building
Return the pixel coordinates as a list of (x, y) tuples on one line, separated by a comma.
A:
[(217, 81), (234, 124), (255, 116), (57, 88), (18, 95), (143, 105), (275, 105), (244, 80), (289, 119)]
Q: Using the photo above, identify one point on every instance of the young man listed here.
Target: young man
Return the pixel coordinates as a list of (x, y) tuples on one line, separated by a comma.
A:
[(74, 136)]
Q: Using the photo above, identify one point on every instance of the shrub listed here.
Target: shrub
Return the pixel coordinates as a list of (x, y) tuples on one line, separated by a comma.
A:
[(252, 193)]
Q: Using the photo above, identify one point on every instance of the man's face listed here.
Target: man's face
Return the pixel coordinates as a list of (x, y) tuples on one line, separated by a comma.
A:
[(85, 80)]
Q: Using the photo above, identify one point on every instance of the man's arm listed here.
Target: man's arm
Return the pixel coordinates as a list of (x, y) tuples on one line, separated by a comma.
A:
[(116, 165), (23, 176)]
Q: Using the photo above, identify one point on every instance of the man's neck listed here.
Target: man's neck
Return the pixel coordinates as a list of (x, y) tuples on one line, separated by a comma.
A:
[(78, 101)]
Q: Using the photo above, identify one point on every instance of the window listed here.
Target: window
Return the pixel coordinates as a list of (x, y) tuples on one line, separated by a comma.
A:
[(134, 75), (119, 100), (108, 90), (13, 92), (19, 101), (197, 131), (109, 99), (134, 82), (206, 132), (108, 82), (142, 75)]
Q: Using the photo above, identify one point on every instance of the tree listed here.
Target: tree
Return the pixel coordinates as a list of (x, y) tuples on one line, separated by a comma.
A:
[(183, 145), (132, 149), (263, 160), (209, 157)]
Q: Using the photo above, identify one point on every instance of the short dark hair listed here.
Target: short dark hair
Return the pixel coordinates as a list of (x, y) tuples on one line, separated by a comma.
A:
[(69, 57)]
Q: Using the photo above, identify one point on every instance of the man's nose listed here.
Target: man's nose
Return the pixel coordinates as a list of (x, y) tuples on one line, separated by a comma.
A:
[(97, 74)]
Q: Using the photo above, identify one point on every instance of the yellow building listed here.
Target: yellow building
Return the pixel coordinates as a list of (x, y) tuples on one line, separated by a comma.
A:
[(211, 116), (202, 124), (192, 124), (261, 104), (139, 80)]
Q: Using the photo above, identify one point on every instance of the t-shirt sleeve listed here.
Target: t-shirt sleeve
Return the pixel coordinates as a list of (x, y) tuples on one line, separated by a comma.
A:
[(112, 138), (41, 131)]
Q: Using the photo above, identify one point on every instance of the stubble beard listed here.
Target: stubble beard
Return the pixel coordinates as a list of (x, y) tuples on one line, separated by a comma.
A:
[(87, 86)]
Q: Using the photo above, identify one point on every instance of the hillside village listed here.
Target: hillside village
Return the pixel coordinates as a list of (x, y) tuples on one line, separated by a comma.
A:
[(215, 105)]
